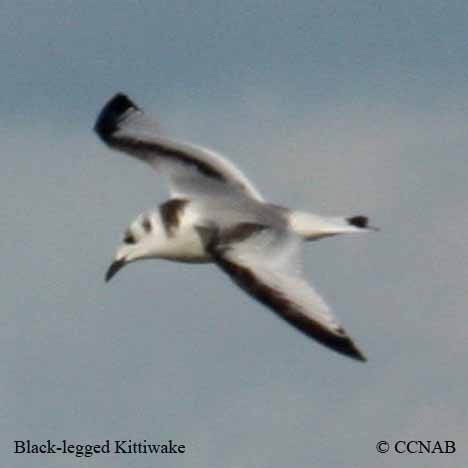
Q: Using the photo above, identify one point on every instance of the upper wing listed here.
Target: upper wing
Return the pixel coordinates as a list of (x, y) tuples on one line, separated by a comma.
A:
[(264, 263), (192, 170)]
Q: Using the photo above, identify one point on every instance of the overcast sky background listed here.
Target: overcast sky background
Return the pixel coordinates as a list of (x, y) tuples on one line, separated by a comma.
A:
[(333, 106)]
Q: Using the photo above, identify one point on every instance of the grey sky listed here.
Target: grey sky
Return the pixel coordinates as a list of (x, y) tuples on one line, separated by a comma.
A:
[(333, 107)]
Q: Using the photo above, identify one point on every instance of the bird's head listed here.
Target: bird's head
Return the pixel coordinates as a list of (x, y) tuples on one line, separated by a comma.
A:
[(140, 241)]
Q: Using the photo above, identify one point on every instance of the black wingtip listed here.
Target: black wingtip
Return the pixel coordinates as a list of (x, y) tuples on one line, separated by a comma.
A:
[(343, 344), (356, 354), (108, 118)]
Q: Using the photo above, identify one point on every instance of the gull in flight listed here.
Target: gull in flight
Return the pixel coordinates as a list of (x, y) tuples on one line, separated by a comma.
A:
[(215, 214)]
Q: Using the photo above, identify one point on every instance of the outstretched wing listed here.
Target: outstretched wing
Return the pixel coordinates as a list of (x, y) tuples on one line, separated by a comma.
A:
[(264, 263), (192, 170)]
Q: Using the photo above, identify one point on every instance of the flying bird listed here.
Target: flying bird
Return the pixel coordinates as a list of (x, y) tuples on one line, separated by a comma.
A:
[(215, 214)]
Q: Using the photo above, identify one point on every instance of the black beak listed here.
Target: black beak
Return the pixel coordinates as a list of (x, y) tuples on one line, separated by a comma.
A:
[(114, 268)]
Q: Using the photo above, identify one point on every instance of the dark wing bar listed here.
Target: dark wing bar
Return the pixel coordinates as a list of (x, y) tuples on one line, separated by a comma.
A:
[(146, 148)]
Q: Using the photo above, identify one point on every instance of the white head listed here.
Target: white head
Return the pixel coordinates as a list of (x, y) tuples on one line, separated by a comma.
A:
[(143, 239)]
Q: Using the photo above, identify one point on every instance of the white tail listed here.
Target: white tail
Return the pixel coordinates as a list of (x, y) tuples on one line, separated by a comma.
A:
[(312, 227)]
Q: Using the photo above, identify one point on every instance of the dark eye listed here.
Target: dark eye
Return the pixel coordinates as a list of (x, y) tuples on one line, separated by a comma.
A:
[(129, 239)]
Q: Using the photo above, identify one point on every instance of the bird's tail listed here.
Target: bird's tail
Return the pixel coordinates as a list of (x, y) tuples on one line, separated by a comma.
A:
[(312, 227)]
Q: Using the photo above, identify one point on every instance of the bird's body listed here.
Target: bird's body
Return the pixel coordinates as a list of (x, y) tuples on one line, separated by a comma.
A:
[(216, 215)]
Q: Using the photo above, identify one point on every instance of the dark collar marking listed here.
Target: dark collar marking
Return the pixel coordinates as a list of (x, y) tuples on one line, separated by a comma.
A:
[(171, 213)]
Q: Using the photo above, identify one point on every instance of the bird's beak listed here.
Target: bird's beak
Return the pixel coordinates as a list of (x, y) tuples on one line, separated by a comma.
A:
[(116, 265)]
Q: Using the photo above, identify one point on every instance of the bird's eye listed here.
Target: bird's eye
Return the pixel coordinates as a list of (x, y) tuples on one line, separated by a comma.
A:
[(129, 239)]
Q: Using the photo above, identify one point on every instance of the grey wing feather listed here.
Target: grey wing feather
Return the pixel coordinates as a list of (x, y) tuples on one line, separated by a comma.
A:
[(266, 266), (191, 169)]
